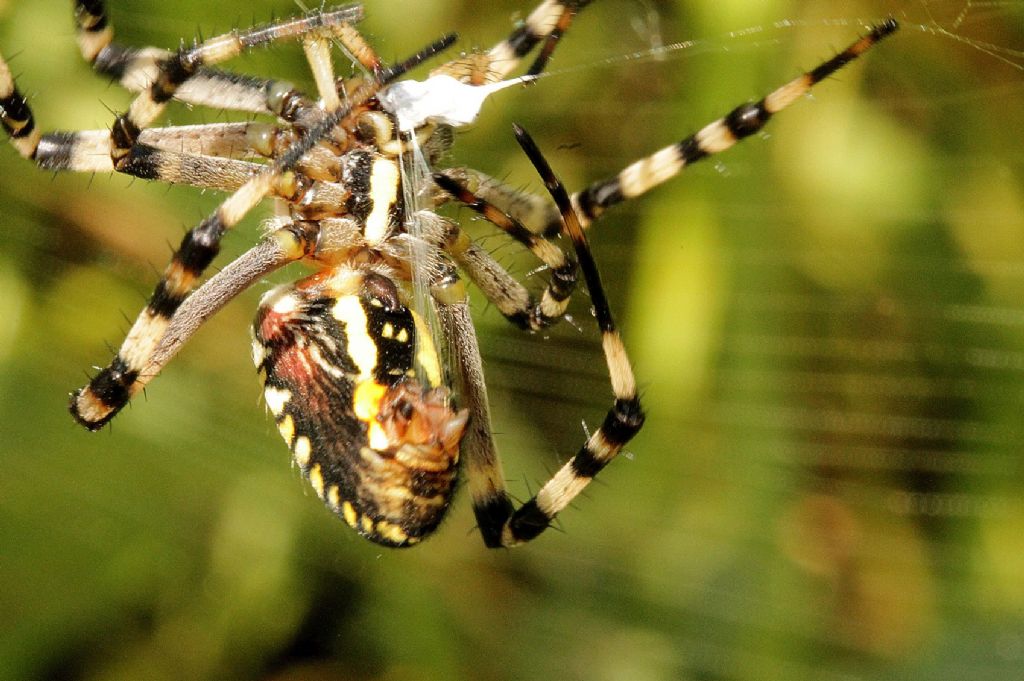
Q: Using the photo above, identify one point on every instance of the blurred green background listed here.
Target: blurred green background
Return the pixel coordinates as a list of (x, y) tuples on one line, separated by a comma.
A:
[(827, 323)]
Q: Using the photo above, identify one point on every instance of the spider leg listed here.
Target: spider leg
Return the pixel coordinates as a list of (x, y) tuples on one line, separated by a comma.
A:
[(284, 245), (242, 140), (537, 215), (526, 314), (182, 65), (89, 151), (480, 460), (162, 75), (547, 22), (562, 23), (500, 523), (479, 456), (623, 420), (532, 211), (16, 116), (743, 121), (317, 196), (227, 140), (127, 146), (136, 69), (317, 46), (112, 388), (208, 155), (511, 298)]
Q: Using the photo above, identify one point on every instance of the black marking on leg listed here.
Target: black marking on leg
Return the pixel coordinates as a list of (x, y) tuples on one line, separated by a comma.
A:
[(528, 522), (111, 384), (491, 516), (522, 40), (165, 300), (174, 71), (823, 71), (623, 421), (877, 33), (143, 161), (90, 15), (55, 150), (585, 464), (521, 319), (595, 198), (690, 151), (114, 61), (394, 71), (747, 119), (123, 136), (16, 116), (569, 12), (200, 246), (111, 387), (884, 29), (545, 54), (563, 281)]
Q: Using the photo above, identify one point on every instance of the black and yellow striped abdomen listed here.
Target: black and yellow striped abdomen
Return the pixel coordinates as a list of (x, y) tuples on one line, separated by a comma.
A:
[(355, 388)]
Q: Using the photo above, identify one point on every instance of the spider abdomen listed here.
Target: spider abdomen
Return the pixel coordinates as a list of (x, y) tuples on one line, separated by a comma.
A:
[(355, 389)]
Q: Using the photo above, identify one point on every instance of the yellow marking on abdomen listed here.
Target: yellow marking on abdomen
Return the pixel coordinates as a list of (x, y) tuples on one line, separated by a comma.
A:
[(391, 532), (361, 348), (287, 428), (302, 451), (366, 406), (316, 479), (348, 512)]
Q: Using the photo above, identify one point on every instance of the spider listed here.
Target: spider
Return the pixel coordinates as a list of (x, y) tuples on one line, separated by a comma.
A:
[(350, 367)]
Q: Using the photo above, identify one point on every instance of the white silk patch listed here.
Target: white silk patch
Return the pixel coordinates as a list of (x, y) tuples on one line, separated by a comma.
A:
[(439, 99)]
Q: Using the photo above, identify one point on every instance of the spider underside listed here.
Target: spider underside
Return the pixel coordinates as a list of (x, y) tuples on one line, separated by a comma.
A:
[(351, 373)]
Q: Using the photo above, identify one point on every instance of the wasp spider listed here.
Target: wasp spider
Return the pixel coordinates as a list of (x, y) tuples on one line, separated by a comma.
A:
[(351, 373)]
